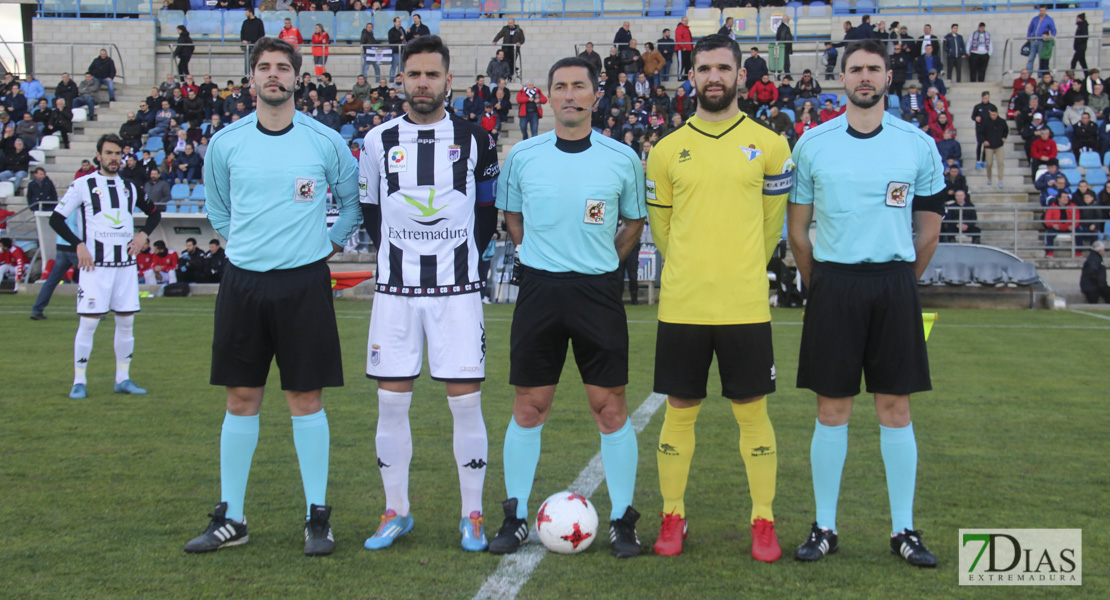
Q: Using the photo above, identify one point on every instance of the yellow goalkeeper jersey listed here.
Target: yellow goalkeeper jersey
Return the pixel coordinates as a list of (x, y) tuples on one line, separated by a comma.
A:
[(716, 195)]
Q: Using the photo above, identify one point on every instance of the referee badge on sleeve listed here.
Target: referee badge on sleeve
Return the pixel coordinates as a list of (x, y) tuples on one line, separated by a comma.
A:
[(304, 189), (650, 189), (595, 212), (897, 194)]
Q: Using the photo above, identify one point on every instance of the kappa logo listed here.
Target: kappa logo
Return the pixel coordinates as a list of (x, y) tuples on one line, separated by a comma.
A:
[(426, 210), (483, 326), (382, 465), (475, 463), (668, 449), (762, 451), (82, 361)]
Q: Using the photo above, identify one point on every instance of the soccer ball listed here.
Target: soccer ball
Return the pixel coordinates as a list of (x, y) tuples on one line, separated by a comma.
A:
[(567, 523)]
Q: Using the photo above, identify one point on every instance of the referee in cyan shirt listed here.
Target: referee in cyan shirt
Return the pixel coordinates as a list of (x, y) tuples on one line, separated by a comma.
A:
[(267, 178), (876, 184), (562, 193)]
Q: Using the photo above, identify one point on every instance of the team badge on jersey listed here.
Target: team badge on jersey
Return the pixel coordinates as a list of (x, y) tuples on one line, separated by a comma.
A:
[(375, 354), (595, 212), (304, 190), (897, 193), (650, 189), (751, 152), (454, 153), (397, 161)]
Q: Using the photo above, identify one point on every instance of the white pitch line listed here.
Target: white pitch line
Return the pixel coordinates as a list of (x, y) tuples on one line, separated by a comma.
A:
[(1091, 314), (516, 569)]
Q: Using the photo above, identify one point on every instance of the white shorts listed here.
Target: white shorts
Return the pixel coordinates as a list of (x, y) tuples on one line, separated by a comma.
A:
[(106, 289), (453, 326)]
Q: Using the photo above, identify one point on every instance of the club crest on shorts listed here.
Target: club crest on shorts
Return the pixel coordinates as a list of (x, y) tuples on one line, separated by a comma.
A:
[(595, 212), (375, 354), (897, 193), (304, 189), (454, 153)]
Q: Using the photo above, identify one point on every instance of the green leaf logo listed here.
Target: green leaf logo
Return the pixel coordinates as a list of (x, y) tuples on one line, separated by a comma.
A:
[(425, 210), (115, 221)]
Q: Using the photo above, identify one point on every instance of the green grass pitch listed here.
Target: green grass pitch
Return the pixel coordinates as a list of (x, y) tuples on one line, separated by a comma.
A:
[(100, 495)]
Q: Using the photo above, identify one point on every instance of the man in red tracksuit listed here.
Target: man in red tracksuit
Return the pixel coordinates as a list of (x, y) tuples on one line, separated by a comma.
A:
[(764, 91), (164, 263), (144, 263), (13, 261)]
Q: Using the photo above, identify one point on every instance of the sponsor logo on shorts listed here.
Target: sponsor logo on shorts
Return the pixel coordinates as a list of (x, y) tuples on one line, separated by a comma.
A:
[(772, 372), (469, 369), (375, 354)]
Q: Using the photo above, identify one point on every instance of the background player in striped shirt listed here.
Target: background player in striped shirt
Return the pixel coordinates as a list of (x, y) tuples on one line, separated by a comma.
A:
[(874, 182), (716, 193), (426, 181), (110, 281), (570, 290), (267, 177)]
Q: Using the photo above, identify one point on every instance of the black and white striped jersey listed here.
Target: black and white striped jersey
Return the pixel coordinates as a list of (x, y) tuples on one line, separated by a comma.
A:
[(426, 180), (107, 204)]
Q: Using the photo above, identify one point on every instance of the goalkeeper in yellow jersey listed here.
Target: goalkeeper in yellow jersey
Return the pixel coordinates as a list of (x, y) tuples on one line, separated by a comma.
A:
[(716, 195)]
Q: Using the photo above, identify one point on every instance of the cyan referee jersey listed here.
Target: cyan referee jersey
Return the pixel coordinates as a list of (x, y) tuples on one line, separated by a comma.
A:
[(571, 197), (266, 192), (862, 188)]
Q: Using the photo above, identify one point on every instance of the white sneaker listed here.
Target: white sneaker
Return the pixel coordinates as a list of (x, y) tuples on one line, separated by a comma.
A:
[(485, 301)]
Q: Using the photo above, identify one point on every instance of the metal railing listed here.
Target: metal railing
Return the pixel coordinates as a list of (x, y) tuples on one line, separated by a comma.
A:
[(1013, 61), (467, 60), (1019, 230), (77, 64)]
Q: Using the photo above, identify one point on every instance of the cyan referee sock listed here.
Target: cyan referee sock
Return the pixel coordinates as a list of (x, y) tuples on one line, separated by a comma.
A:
[(312, 438), (620, 456), (125, 346), (238, 439), (899, 449), (827, 454), (393, 443), (82, 347), (471, 447), (521, 455)]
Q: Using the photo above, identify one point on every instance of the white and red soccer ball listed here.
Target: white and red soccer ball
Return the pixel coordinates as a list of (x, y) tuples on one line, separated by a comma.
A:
[(567, 523)]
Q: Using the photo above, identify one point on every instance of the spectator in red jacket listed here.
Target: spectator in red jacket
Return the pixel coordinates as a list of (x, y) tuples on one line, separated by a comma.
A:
[(86, 168), (1059, 219), (1019, 83), (164, 264), (805, 124), (938, 127), (144, 263), (684, 45), (1043, 148), (491, 121), (530, 99), (830, 111), (764, 92), (13, 262), (291, 34)]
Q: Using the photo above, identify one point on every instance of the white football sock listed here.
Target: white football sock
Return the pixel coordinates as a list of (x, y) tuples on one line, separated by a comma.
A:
[(125, 346), (393, 443), (471, 449), (82, 347)]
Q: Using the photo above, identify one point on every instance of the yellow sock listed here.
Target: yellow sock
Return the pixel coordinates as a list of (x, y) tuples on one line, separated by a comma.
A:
[(675, 451), (757, 447)]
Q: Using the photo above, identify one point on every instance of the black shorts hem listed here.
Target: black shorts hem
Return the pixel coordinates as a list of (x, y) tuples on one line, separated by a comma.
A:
[(749, 395), (409, 378), (517, 383), (826, 394), (682, 396), (93, 314), (458, 379), (312, 389), (224, 383), (605, 385), (912, 390)]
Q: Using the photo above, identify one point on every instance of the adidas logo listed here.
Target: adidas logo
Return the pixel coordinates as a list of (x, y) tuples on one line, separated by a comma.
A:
[(522, 531), (225, 533)]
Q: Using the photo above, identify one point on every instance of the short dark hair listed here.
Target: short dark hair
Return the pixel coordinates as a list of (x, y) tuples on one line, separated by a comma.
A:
[(717, 41), (214, 241), (573, 61), (6, 242), (869, 46), (193, 240), (159, 245), (427, 44), (269, 44), (108, 138)]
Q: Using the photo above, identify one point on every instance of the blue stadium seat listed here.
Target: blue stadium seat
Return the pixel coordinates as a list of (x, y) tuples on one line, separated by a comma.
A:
[(154, 144), (843, 101), (159, 157), (383, 21), (347, 131), (840, 7), (458, 104), (205, 23), (274, 21), (233, 23), (822, 97), (168, 20), (1073, 175), (1095, 177), (1057, 128), (179, 191), (1066, 160), (1106, 160), (197, 193), (430, 18), (894, 101), (1063, 144), (349, 24), (197, 5), (170, 207), (1090, 160), (788, 112), (307, 21)]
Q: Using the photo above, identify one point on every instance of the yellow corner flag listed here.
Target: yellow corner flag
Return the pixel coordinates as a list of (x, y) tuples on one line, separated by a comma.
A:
[(929, 319)]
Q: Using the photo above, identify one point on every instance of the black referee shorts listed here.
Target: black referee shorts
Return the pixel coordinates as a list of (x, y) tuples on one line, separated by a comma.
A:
[(745, 360), (287, 313), (863, 318), (554, 308)]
